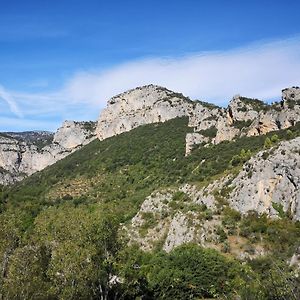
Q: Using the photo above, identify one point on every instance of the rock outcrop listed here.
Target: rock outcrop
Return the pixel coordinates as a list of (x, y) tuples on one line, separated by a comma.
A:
[(144, 105), (250, 117), (295, 260), (22, 154), (161, 220), (192, 139), (211, 124), (270, 182), (290, 94)]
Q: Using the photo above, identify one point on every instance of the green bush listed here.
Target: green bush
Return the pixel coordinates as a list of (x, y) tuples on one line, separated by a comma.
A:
[(192, 272)]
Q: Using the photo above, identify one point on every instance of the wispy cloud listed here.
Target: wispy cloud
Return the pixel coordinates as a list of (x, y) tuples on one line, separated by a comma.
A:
[(260, 71), (17, 124), (4, 95)]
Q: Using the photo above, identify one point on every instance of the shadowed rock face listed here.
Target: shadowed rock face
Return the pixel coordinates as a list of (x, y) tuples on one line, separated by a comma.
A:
[(22, 154)]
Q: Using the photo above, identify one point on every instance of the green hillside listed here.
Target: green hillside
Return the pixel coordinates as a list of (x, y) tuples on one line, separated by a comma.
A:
[(59, 228)]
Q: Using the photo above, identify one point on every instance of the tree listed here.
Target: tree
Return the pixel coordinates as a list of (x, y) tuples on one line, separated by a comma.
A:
[(274, 138), (26, 275), (190, 272), (13, 224), (133, 264), (83, 244)]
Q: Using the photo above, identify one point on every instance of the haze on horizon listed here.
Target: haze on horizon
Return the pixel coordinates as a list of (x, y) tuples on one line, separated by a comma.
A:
[(63, 59)]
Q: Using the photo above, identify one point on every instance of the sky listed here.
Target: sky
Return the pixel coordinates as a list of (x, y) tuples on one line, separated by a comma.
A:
[(63, 59)]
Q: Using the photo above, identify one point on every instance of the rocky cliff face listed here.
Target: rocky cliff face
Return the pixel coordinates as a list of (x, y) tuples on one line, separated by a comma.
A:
[(22, 154), (144, 105), (245, 116), (270, 181), (211, 124), (25, 153)]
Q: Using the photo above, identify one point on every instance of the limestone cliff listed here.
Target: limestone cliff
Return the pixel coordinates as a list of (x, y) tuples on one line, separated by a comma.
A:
[(22, 154), (143, 105), (211, 124), (246, 116), (270, 181)]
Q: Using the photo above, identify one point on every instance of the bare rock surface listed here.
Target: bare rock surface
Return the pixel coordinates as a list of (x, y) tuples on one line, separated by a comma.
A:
[(22, 154), (243, 116), (270, 181), (144, 105)]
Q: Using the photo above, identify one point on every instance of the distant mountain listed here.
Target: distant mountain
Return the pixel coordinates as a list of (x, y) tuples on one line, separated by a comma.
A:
[(38, 138)]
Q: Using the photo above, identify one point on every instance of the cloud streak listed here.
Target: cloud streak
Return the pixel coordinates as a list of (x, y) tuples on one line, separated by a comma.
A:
[(259, 70), (4, 95), (256, 71)]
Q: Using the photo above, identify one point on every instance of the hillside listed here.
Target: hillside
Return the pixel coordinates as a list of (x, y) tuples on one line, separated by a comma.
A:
[(22, 154), (78, 229)]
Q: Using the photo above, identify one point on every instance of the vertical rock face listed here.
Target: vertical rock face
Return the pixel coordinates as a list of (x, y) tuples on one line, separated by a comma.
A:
[(74, 134), (243, 109), (246, 116), (243, 116), (23, 154), (290, 95), (144, 105), (269, 182), (192, 139), (204, 115)]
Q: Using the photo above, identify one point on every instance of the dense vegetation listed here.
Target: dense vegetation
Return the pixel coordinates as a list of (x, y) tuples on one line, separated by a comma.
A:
[(59, 229)]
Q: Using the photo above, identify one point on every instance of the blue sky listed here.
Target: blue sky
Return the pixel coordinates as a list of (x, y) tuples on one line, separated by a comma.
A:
[(64, 59)]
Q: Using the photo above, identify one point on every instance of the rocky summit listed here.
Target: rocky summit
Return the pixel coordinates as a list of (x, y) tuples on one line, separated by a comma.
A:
[(143, 105)]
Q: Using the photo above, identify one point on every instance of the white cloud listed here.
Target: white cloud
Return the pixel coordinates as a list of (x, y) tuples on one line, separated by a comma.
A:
[(259, 71), (256, 71)]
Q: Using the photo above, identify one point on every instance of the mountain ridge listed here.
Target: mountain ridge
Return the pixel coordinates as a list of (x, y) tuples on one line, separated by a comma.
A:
[(145, 105)]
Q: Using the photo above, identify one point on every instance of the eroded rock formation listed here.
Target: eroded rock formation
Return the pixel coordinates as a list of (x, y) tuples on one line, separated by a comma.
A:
[(243, 116), (21, 156)]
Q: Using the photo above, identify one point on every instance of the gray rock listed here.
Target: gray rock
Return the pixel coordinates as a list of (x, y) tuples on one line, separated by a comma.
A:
[(144, 105), (192, 139), (180, 232), (295, 260), (267, 183), (290, 94), (21, 157)]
